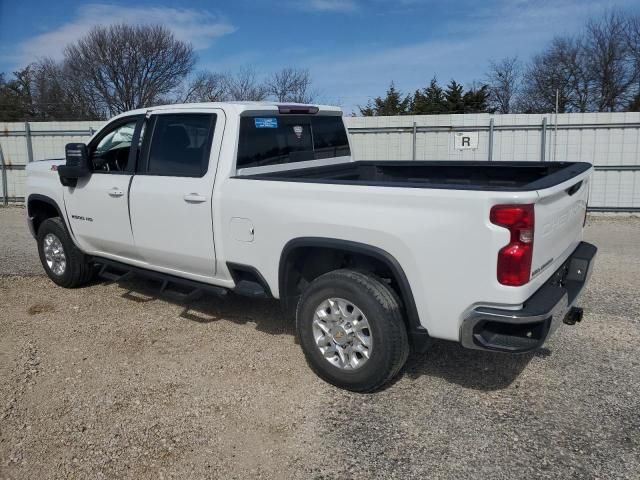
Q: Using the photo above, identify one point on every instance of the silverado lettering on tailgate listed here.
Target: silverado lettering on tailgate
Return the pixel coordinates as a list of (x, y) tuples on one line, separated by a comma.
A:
[(574, 210)]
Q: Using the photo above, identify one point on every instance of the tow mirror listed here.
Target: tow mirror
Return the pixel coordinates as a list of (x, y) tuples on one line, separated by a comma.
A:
[(77, 165)]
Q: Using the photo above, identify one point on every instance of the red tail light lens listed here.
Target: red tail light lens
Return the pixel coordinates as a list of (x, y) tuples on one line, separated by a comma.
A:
[(514, 260)]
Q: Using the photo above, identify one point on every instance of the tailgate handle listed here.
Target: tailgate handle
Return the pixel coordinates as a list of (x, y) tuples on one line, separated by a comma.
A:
[(574, 188)]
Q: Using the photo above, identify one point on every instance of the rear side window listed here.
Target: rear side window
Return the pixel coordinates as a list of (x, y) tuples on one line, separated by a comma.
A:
[(272, 140), (180, 144)]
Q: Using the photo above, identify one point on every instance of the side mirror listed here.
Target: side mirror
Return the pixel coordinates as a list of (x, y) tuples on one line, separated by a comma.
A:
[(77, 165)]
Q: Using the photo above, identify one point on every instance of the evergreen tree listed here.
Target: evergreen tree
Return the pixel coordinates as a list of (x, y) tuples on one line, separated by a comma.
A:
[(454, 98), (16, 103), (476, 100), (430, 100), (634, 104), (392, 104)]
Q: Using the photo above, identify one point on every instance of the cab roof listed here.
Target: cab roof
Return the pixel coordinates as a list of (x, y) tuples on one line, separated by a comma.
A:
[(237, 107)]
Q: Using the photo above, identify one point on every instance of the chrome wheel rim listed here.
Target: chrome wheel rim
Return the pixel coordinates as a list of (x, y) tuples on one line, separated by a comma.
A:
[(54, 254), (342, 333)]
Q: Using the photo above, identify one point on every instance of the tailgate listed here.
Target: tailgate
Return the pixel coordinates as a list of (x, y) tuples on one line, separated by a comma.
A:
[(559, 221)]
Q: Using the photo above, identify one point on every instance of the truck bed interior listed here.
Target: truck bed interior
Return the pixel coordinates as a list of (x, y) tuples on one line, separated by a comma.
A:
[(509, 176)]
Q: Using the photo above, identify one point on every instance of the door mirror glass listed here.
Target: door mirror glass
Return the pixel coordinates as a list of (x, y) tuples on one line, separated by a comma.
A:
[(77, 164)]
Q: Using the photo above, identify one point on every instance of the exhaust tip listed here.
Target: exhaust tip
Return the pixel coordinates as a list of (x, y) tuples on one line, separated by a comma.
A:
[(573, 316)]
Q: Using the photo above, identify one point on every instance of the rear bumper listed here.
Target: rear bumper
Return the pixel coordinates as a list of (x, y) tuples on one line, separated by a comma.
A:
[(523, 330)]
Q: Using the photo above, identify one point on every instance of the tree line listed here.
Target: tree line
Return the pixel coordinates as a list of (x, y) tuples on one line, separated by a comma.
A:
[(122, 67), (597, 70)]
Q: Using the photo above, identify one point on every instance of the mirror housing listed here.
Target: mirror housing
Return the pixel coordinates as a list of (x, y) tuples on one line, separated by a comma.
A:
[(77, 165)]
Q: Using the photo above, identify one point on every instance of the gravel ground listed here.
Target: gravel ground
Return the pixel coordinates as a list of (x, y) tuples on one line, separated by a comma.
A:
[(113, 381), (17, 253)]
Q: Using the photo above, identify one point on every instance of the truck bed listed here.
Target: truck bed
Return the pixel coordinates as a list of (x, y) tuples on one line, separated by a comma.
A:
[(460, 175)]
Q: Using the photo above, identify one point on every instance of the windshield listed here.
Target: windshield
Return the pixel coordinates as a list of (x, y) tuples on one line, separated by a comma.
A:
[(121, 137)]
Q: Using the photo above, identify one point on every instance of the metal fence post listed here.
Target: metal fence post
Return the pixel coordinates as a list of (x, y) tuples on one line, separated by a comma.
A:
[(27, 131), (5, 188), (490, 155), (413, 151), (543, 139)]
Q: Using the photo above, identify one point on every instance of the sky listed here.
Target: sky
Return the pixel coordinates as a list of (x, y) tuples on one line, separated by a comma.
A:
[(353, 48)]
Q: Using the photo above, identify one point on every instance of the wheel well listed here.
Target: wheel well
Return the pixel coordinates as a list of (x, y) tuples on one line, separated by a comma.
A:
[(39, 210), (304, 260)]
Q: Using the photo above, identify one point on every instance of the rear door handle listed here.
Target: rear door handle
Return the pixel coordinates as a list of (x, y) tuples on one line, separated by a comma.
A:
[(194, 198), (114, 192)]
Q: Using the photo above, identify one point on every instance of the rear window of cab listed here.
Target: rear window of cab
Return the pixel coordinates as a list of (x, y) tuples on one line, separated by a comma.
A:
[(273, 140)]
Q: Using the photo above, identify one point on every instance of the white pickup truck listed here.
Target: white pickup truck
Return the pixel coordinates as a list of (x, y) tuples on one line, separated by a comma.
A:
[(374, 257)]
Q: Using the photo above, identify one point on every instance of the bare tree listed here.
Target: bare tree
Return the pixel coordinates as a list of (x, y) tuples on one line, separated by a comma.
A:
[(503, 80), (562, 68), (611, 61), (633, 39), (245, 85), (207, 87), (633, 43), (129, 67), (57, 95), (291, 85)]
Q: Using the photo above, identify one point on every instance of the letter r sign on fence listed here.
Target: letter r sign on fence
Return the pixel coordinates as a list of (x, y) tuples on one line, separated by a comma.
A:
[(465, 140)]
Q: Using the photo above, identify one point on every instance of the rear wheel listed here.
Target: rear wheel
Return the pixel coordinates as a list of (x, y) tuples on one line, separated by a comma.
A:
[(63, 262), (351, 330)]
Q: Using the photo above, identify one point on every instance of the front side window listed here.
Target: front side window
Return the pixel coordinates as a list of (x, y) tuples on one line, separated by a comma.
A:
[(112, 152), (272, 140), (180, 144)]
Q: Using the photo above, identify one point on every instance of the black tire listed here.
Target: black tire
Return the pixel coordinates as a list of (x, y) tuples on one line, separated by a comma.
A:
[(79, 270), (383, 311)]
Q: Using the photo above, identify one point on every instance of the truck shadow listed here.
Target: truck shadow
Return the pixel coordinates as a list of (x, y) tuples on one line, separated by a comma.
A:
[(206, 308), (472, 369), (449, 361)]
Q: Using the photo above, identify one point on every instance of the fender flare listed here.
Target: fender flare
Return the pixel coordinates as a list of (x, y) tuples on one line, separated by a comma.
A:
[(54, 204), (413, 319)]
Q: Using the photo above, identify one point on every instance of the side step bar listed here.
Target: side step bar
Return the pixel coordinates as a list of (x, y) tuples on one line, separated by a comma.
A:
[(180, 288)]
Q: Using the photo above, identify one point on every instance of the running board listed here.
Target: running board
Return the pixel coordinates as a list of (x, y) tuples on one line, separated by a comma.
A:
[(113, 276), (181, 288)]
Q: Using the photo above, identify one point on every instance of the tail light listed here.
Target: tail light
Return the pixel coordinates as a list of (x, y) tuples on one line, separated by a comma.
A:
[(514, 259)]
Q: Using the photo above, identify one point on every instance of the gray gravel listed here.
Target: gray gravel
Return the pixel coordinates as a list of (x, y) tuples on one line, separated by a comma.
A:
[(17, 253), (112, 381)]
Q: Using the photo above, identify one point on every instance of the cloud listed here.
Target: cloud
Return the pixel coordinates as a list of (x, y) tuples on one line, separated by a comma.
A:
[(199, 27), (326, 5), (459, 48)]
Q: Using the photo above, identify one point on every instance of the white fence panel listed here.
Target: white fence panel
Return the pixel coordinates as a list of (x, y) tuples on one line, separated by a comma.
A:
[(611, 141), (24, 142)]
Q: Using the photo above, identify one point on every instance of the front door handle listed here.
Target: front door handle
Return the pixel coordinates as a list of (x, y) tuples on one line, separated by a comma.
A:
[(115, 192), (194, 198)]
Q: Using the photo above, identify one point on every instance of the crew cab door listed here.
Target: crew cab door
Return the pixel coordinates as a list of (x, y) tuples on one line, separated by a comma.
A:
[(97, 207), (171, 194)]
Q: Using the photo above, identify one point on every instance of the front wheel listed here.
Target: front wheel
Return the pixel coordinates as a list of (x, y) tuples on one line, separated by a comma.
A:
[(64, 263), (351, 330)]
